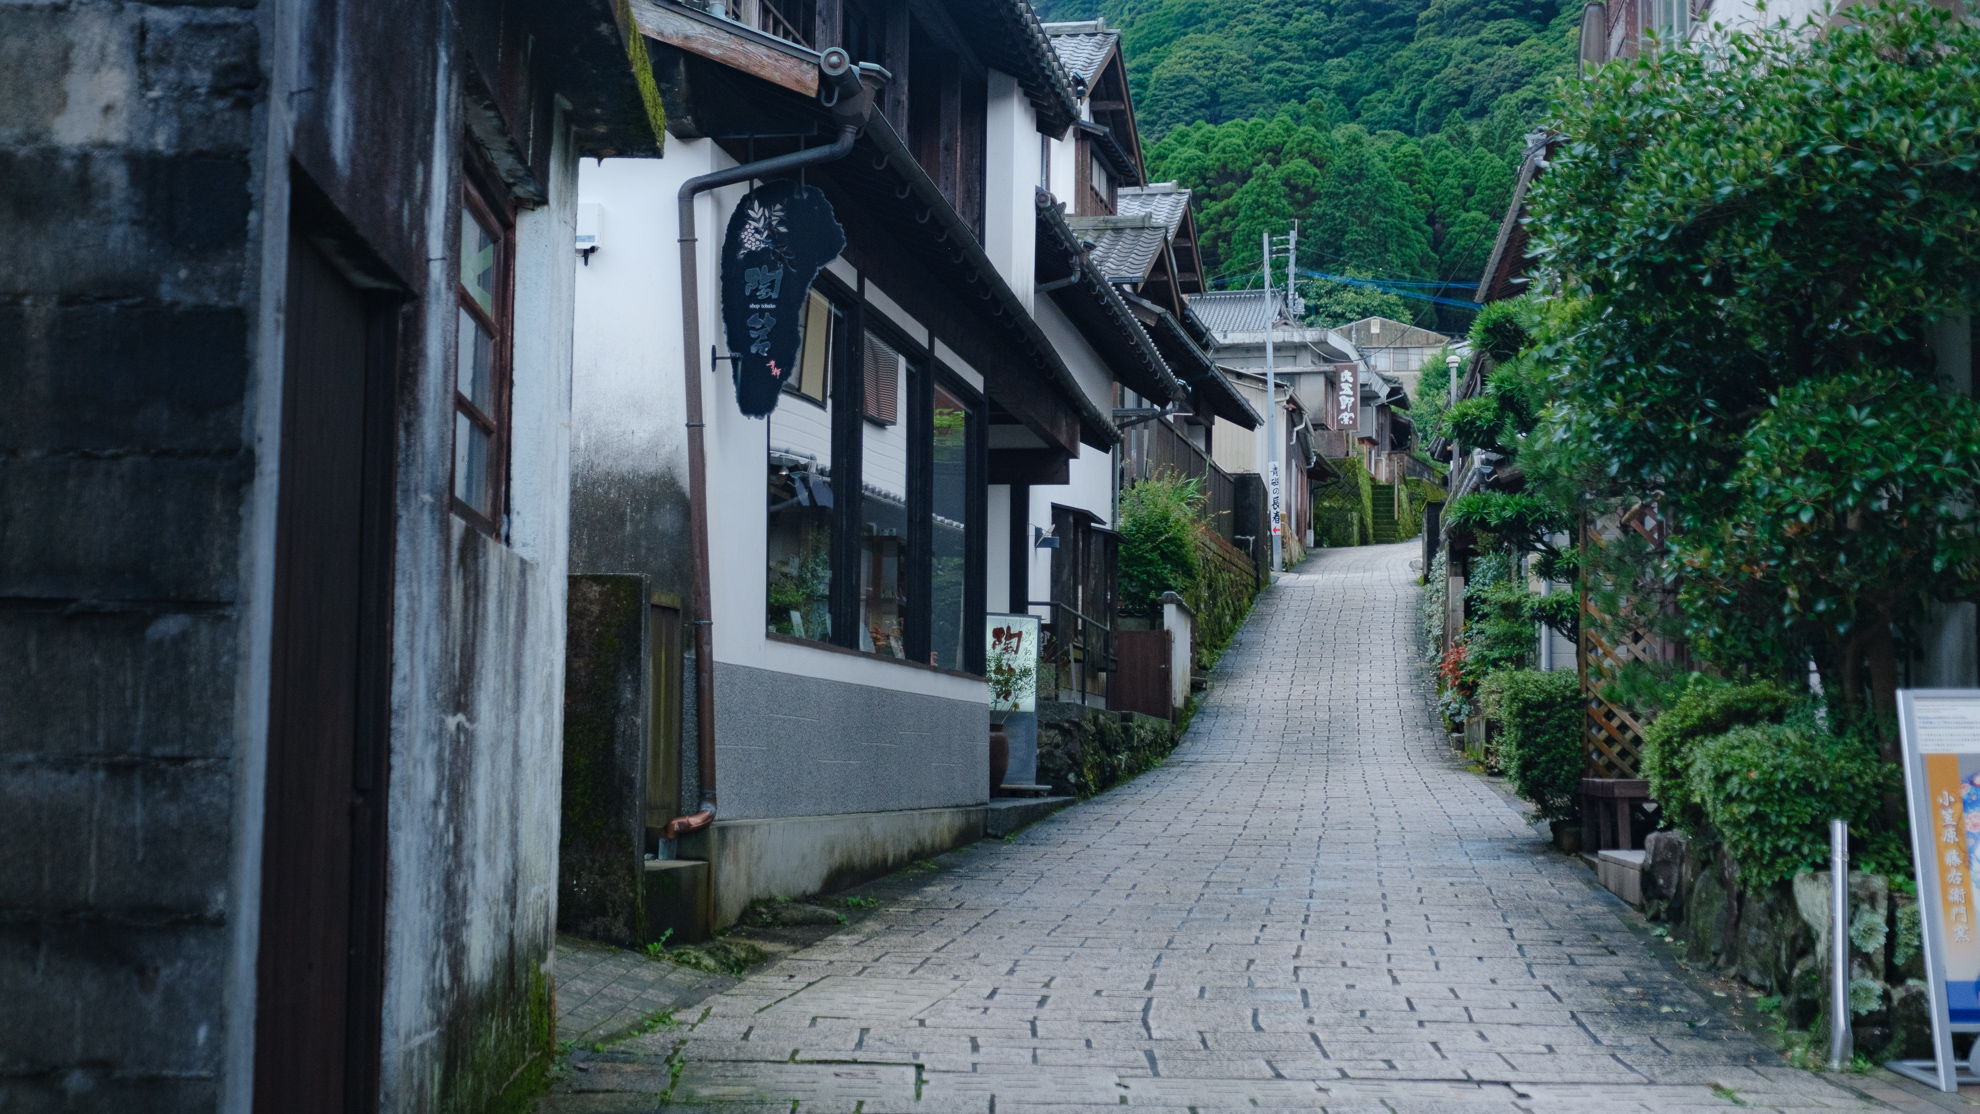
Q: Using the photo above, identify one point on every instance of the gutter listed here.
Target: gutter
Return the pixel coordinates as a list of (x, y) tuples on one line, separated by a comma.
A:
[(851, 102)]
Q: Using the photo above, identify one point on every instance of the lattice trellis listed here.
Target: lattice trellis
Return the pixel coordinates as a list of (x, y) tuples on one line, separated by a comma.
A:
[(1613, 737)]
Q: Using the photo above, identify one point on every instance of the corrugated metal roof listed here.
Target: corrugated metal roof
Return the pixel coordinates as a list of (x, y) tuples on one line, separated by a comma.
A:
[(1394, 334), (1082, 49)]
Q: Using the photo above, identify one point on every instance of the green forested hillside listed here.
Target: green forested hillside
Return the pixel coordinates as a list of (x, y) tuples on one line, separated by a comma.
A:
[(1390, 129)]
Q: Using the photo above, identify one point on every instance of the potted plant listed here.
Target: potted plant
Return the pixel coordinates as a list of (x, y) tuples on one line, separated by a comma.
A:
[(1011, 679)]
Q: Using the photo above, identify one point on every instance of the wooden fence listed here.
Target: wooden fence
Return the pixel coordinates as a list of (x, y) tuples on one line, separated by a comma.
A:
[(1157, 448)]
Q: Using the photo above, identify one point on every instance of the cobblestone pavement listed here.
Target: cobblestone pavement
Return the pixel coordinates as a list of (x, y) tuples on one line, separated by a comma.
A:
[(1310, 906)]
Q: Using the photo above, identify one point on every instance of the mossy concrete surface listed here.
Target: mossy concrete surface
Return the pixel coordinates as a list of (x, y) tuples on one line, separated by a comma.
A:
[(600, 883)]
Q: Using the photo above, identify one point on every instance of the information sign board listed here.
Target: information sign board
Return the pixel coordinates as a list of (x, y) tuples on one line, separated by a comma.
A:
[(1940, 733), (1272, 483)]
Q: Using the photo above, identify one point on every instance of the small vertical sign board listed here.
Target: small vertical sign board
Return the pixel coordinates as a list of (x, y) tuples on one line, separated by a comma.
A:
[(1940, 732), (1272, 481), (1347, 398), (1017, 635)]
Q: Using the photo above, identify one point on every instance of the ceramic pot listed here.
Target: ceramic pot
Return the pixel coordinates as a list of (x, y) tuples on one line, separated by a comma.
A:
[(1567, 836), (1000, 758)]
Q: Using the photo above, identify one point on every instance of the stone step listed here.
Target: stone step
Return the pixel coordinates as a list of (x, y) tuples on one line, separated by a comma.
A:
[(1008, 814)]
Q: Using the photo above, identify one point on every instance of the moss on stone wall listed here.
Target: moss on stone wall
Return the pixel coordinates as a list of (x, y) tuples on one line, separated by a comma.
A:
[(1771, 937), (1085, 750), (1226, 590)]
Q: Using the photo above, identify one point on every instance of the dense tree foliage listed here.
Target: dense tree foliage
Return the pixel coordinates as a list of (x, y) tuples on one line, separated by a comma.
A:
[(1389, 65), (1390, 129), (1759, 242), (1368, 205)]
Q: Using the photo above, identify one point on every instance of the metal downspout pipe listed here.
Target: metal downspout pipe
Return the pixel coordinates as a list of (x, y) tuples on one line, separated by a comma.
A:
[(851, 101)]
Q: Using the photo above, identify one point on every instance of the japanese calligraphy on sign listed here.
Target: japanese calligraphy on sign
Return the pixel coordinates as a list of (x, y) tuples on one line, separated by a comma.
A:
[(778, 239), (1347, 398), (1941, 740)]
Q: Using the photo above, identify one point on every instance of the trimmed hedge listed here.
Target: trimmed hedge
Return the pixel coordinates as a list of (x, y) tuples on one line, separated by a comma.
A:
[(1708, 707), (1540, 719), (1770, 790)]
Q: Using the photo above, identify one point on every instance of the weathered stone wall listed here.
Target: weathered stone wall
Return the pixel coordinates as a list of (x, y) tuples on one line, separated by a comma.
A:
[(145, 193), (127, 140), (1776, 938), (1083, 750)]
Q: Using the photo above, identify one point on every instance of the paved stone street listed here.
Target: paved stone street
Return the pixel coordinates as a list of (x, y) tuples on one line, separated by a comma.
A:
[(1310, 906)]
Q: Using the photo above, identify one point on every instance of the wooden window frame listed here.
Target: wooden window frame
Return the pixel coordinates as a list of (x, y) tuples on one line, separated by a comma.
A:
[(475, 196), (920, 371)]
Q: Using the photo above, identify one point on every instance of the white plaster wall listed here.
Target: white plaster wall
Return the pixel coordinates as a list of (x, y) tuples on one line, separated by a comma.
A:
[(478, 653), (1749, 14), (628, 402), (1063, 175), (997, 567), (1010, 181)]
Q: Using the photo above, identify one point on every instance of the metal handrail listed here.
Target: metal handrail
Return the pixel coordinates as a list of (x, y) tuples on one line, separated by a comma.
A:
[(1078, 643)]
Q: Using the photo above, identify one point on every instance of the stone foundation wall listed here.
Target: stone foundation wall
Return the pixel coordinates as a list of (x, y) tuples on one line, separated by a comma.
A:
[(1083, 750), (1775, 938)]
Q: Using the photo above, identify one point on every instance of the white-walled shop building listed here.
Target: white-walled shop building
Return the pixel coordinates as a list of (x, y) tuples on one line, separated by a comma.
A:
[(860, 534)]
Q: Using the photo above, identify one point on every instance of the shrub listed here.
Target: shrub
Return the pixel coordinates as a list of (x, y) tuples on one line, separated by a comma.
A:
[(1335, 527), (1435, 603), (1540, 717), (1501, 630), (1160, 551), (1708, 707), (1770, 790), (1500, 331)]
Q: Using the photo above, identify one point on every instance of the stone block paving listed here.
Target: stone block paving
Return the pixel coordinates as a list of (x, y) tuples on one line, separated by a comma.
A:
[(1310, 906), (604, 992)]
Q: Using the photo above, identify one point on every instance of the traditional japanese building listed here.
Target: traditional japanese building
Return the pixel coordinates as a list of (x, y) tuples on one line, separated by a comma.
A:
[(815, 711)]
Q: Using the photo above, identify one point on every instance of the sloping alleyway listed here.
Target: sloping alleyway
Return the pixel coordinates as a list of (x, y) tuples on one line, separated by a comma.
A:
[(1311, 905)]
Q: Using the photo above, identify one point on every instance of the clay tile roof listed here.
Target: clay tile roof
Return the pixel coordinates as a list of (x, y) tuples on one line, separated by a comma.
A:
[(1127, 244), (1082, 49)]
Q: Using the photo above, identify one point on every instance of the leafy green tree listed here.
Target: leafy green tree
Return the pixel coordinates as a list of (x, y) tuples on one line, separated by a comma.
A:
[(1853, 509), (1795, 208), (1161, 549), (1333, 304)]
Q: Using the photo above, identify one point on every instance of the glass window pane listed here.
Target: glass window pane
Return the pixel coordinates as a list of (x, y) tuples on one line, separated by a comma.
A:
[(816, 329), (475, 377), (950, 541), (471, 463), (883, 581), (477, 261), (798, 585)]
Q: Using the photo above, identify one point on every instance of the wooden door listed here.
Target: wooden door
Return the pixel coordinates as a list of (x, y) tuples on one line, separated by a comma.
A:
[(663, 752), (319, 969), (1140, 681)]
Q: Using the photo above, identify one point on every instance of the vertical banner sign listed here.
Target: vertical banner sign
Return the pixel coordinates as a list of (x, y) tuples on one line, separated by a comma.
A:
[(779, 238), (1940, 733), (1347, 399), (1272, 483), (1017, 635)]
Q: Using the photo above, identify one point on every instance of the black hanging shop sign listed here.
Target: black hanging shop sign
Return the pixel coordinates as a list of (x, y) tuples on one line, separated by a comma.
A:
[(779, 238)]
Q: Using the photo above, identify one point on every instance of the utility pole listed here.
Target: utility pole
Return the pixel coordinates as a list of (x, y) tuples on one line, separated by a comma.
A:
[(1273, 481)]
